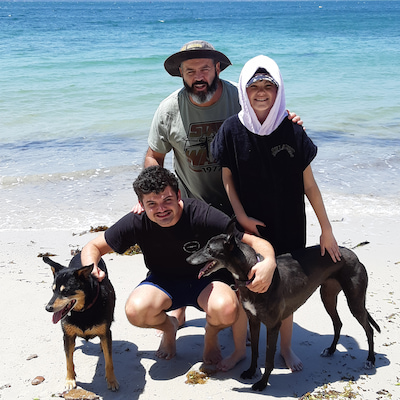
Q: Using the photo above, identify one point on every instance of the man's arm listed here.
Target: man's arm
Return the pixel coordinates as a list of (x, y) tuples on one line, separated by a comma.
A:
[(263, 270), (153, 158), (92, 253)]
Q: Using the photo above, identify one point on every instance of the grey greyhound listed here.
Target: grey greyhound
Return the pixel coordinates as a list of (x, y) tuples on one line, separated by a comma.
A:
[(296, 278)]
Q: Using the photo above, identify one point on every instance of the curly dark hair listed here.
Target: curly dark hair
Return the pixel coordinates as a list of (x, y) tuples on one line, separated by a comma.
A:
[(154, 179)]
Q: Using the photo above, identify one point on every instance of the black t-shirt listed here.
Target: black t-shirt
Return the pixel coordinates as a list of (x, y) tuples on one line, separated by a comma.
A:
[(165, 249), (268, 177)]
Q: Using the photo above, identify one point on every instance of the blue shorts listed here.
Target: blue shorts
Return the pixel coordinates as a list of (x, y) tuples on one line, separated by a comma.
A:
[(185, 292)]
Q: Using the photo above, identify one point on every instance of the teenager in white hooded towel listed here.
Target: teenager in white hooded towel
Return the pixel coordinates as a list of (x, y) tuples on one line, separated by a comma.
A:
[(266, 171)]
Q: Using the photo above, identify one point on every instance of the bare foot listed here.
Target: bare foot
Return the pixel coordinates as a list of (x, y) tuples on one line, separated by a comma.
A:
[(179, 314), (291, 360), (167, 349), (229, 362), (212, 352)]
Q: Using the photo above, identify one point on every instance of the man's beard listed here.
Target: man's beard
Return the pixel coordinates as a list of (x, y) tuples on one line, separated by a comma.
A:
[(203, 96)]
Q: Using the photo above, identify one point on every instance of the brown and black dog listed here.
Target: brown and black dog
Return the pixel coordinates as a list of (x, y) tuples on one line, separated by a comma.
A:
[(296, 278), (85, 307)]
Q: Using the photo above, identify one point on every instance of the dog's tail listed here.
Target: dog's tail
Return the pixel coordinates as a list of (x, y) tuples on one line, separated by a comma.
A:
[(373, 323)]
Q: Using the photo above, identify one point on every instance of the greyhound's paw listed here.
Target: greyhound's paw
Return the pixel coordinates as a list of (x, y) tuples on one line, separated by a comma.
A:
[(369, 365), (248, 374), (259, 386), (70, 384), (326, 352)]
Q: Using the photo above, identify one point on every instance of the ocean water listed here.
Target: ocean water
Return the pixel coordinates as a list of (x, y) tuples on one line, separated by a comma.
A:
[(80, 81)]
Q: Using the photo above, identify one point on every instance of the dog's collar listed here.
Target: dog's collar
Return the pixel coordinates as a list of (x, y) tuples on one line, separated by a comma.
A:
[(95, 298), (241, 283)]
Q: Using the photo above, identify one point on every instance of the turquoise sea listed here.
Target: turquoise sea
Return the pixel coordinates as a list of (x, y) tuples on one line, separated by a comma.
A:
[(80, 81)]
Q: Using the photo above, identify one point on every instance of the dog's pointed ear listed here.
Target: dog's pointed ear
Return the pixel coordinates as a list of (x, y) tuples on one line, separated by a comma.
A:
[(55, 267), (84, 272), (230, 234), (231, 226)]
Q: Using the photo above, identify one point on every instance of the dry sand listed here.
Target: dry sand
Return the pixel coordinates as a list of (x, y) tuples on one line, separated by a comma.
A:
[(32, 346)]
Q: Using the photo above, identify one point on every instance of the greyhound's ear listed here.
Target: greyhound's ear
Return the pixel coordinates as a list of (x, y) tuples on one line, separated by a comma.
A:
[(84, 272), (231, 226), (230, 236), (55, 267), (229, 243)]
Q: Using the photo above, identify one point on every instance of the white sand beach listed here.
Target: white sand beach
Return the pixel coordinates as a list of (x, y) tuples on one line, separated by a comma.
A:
[(32, 346)]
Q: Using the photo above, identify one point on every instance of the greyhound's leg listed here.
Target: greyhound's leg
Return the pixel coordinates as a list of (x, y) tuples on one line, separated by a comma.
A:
[(355, 289), (272, 338), (356, 304), (329, 292), (254, 324)]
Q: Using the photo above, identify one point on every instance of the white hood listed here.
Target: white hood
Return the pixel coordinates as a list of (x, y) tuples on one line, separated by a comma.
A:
[(278, 112)]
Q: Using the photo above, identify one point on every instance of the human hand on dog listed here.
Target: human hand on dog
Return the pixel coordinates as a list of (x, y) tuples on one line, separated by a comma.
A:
[(98, 273), (92, 253), (260, 275), (328, 243)]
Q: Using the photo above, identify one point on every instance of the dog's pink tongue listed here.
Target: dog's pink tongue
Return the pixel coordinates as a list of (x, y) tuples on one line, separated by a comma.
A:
[(203, 270), (57, 316)]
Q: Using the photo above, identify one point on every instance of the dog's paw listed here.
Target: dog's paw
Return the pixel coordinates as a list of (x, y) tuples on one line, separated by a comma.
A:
[(248, 374), (112, 384), (260, 385), (70, 384), (326, 352), (369, 365)]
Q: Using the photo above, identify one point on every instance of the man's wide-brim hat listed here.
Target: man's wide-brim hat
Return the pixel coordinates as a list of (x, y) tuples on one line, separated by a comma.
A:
[(191, 50)]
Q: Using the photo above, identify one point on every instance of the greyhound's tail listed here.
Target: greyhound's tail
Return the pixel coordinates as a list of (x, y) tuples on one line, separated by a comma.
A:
[(373, 323)]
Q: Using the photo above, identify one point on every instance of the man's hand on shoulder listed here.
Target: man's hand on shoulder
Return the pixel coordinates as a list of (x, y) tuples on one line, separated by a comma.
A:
[(295, 118), (137, 209)]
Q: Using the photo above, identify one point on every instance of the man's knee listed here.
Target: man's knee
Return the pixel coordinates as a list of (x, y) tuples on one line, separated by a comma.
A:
[(144, 306), (226, 309), (136, 309)]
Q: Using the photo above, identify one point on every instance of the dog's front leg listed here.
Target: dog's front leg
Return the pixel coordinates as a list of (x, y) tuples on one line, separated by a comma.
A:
[(272, 338), (254, 324), (106, 345), (69, 347)]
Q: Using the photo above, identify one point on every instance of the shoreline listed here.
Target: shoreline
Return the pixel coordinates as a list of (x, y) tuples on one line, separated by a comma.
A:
[(80, 205), (29, 331)]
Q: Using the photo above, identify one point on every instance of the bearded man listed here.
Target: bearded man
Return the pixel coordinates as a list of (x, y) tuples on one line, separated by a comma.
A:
[(188, 119)]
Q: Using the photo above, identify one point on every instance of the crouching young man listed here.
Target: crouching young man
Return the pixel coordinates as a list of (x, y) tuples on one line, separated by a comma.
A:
[(167, 232)]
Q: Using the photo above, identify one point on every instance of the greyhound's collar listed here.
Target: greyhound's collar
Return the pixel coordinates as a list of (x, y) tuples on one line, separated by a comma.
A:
[(241, 283)]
